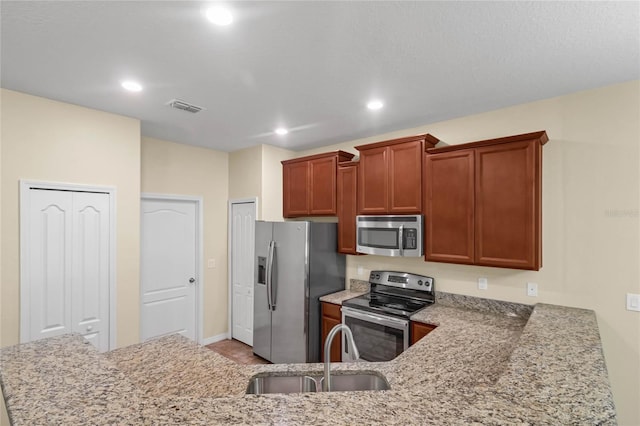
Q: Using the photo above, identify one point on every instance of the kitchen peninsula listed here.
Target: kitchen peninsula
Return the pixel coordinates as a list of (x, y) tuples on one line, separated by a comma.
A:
[(531, 365)]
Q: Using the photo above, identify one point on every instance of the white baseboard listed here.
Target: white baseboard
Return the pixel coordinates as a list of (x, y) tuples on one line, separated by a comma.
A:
[(213, 339)]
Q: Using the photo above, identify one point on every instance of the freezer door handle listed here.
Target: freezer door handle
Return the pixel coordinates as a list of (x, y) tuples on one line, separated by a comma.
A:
[(270, 274)]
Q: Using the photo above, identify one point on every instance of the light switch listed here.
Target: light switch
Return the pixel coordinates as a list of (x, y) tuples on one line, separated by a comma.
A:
[(532, 289), (483, 283), (633, 302), (211, 263)]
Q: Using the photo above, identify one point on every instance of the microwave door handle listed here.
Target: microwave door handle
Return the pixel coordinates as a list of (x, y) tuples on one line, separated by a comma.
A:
[(401, 239)]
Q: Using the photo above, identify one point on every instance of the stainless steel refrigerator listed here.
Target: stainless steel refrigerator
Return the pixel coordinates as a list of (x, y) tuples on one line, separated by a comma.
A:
[(297, 262)]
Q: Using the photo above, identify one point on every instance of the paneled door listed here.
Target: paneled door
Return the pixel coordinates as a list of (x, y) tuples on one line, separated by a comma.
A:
[(90, 268), (242, 253), (449, 207), (168, 267), (65, 264)]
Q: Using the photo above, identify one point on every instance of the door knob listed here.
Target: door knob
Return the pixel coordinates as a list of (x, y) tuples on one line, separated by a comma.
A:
[(192, 280)]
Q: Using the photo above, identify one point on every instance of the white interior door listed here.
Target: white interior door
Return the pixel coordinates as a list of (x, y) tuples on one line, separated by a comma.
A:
[(65, 265), (90, 268), (49, 263), (243, 247), (168, 268)]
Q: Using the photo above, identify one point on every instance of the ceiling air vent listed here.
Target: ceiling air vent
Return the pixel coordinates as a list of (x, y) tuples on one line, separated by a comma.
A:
[(178, 104)]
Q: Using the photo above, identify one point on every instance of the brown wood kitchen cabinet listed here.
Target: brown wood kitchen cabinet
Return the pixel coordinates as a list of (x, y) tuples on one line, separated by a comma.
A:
[(347, 206), (390, 175), (419, 330), (483, 202), (449, 207), (331, 317), (309, 184)]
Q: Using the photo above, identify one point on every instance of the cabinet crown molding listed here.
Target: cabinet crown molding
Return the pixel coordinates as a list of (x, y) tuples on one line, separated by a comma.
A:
[(428, 139), (540, 136), (342, 156)]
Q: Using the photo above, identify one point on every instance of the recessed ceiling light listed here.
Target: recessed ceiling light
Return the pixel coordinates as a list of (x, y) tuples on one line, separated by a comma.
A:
[(132, 86), (219, 15), (281, 131), (373, 105)]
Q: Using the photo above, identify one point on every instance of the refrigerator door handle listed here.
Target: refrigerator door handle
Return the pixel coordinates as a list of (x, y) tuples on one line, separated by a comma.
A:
[(273, 287), (269, 274)]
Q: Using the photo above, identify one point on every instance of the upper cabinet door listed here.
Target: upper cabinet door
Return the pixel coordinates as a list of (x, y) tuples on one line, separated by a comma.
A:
[(347, 207), (309, 184), (295, 182), (390, 176), (405, 177), (373, 181), (508, 182), (322, 186), (449, 207), (483, 202)]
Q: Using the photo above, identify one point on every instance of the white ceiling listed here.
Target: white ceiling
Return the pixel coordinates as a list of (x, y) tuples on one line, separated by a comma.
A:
[(312, 66)]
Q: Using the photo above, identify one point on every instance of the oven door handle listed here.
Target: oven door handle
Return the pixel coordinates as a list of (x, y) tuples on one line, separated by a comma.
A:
[(377, 319)]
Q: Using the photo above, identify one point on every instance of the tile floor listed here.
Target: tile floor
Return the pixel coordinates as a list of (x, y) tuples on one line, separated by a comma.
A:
[(236, 351)]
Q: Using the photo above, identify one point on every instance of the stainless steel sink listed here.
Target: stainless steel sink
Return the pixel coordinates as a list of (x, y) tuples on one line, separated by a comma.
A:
[(281, 384), (313, 383), (356, 382)]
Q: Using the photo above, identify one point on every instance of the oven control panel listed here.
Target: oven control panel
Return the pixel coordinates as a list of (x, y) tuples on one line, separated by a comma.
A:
[(402, 279)]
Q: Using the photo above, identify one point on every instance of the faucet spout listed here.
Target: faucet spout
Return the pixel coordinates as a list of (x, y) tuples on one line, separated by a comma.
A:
[(353, 350)]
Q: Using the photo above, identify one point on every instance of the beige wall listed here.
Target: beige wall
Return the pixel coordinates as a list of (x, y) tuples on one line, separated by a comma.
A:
[(171, 168), (53, 141), (251, 174), (245, 173), (271, 206), (591, 234)]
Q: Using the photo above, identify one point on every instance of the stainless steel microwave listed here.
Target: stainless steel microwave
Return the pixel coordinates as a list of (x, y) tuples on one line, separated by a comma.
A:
[(390, 235)]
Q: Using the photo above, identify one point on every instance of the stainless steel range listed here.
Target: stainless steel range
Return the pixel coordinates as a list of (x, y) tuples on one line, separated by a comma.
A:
[(379, 320)]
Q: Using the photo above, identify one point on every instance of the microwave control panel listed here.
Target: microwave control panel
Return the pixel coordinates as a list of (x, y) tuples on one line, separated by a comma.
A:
[(410, 239)]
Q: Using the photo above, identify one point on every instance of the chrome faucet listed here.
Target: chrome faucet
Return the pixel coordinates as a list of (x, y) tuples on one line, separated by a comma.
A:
[(353, 350)]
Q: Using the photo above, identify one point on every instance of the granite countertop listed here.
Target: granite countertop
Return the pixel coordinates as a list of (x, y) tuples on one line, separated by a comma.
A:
[(341, 296), (482, 364), (356, 288)]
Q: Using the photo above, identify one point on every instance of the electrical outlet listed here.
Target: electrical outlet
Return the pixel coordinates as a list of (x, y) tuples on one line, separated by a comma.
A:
[(211, 263), (633, 302), (532, 289), (482, 283), (360, 271)]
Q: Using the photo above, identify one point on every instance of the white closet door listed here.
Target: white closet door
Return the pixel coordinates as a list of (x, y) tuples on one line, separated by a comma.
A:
[(90, 275), (49, 259), (243, 247), (66, 269)]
